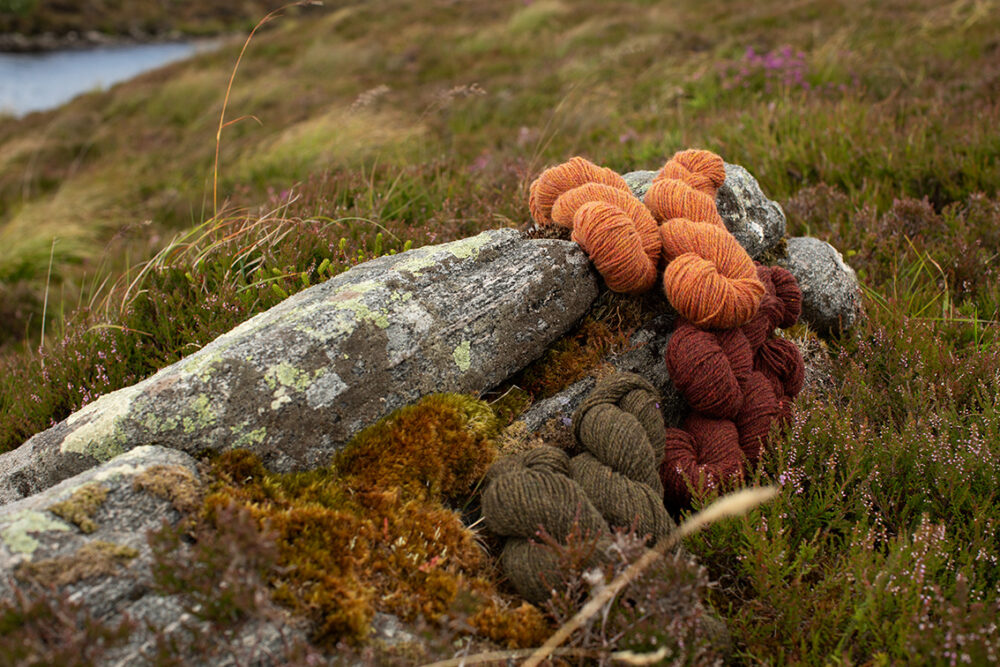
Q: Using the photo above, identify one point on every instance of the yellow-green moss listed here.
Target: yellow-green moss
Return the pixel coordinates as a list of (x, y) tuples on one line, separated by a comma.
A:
[(171, 482), (94, 559), (80, 507), (371, 533)]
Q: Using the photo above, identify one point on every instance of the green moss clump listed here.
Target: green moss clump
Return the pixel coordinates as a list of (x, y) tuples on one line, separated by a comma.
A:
[(94, 559), (371, 532), (174, 483), (79, 508)]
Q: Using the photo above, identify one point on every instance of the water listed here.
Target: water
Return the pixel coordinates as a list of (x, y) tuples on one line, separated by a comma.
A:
[(38, 81)]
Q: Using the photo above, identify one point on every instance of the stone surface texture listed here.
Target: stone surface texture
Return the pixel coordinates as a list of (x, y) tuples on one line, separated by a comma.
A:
[(831, 296), (33, 539), (293, 384), (757, 222)]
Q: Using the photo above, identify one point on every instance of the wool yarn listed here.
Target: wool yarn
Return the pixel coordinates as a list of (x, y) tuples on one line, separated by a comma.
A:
[(737, 383), (710, 279), (612, 483), (614, 228), (554, 181)]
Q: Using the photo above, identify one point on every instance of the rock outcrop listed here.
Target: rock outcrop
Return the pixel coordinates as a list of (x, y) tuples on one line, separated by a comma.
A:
[(85, 539), (293, 384), (831, 295)]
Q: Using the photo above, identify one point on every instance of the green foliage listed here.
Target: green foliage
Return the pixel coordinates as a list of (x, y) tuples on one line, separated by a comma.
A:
[(20, 7)]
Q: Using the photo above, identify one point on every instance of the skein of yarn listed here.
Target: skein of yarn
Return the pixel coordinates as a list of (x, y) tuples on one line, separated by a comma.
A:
[(614, 228), (710, 279), (554, 181), (613, 484), (737, 383)]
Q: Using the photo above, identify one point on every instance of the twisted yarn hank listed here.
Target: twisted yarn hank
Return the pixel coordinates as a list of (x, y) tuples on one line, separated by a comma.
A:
[(612, 484), (710, 279), (737, 382), (613, 227)]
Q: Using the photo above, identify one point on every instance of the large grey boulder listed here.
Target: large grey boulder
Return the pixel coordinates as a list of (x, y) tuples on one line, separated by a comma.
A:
[(757, 222), (85, 539), (293, 384), (831, 296)]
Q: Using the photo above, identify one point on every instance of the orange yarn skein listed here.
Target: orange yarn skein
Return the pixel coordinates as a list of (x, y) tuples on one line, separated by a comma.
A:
[(566, 206), (613, 227), (611, 239), (710, 279), (554, 181)]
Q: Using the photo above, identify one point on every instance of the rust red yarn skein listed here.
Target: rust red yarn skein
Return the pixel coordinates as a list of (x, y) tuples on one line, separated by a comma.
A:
[(710, 279), (737, 383)]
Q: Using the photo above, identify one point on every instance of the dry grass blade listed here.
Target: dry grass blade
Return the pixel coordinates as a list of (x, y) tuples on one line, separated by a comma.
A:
[(734, 504), (229, 87)]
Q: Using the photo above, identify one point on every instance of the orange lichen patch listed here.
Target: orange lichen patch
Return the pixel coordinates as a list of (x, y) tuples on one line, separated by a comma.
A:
[(371, 533), (81, 505), (174, 483), (94, 559)]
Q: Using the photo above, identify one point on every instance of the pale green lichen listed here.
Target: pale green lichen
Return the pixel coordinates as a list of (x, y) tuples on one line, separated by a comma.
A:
[(246, 439), (201, 415), (287, 375), (100, 435), (15, 534), (81, 506), (417, 263), (463, 356), (466, 248)]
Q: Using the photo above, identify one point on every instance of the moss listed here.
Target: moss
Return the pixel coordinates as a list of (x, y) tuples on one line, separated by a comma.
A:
[(94, 559), (171, 482), (371, 532), (80, 507), (604, 331), (437, 447), (519, 627)]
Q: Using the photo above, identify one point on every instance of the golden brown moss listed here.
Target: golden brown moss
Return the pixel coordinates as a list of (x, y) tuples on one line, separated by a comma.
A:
[(80, 507), (371, 532), (523, 626), (94, 559), (171, 482), (402, 450)]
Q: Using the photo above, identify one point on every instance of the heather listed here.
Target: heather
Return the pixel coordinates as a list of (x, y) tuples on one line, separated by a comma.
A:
[(395, 123)]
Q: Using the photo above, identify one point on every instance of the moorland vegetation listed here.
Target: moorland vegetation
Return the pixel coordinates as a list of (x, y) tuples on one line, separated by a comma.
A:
[(366, 129)]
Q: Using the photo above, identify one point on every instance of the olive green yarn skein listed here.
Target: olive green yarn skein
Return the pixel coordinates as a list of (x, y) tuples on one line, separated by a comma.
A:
[(614, 483)]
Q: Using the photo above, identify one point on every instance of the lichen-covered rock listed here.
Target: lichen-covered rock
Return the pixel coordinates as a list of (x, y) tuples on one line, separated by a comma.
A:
[(86, 539), (757, 222), (87, 535), (293, 384), (831, 296)]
